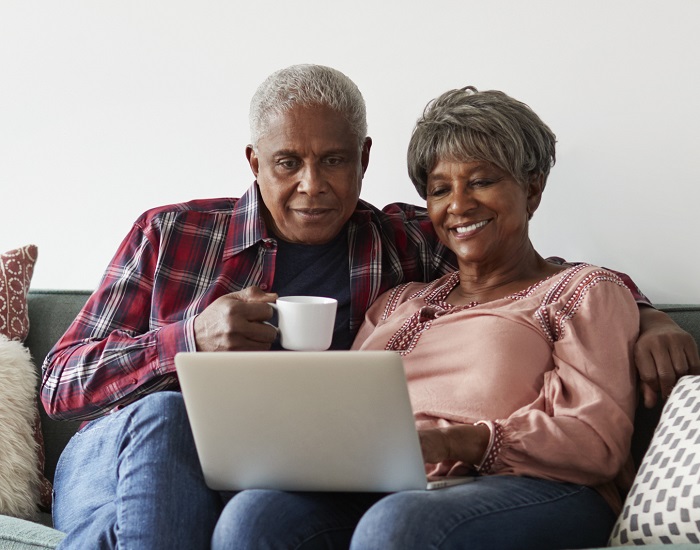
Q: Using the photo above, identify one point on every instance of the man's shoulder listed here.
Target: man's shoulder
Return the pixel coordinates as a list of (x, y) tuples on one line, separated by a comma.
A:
[(400, 224), (214, 206), (396, 211)]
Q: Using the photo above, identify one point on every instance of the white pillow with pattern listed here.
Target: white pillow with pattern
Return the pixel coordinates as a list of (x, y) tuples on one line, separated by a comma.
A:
[(663, 505)]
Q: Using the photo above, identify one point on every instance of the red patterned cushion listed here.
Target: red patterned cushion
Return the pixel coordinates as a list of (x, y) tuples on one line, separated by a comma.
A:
[(16, 270)]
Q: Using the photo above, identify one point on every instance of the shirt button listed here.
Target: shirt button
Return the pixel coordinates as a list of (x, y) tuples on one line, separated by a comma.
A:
[(263, 286)]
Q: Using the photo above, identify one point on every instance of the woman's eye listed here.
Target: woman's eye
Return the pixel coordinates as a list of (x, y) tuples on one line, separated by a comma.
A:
[(481, 183), (437, 191)]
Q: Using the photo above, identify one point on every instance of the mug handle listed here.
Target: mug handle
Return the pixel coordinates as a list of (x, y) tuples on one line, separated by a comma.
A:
[(274, 307)]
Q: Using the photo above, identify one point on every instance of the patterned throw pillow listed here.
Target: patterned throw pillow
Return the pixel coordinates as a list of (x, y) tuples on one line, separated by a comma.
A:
[(16, 270), (663, 505)]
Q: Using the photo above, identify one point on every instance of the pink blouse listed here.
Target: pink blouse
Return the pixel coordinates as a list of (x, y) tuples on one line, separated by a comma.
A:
[(550, 365)]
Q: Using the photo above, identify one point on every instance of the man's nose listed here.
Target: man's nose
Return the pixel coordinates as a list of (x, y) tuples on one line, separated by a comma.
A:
[(312, 180)]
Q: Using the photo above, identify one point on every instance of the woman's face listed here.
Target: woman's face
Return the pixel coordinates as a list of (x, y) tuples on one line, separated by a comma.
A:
[(479, 211)]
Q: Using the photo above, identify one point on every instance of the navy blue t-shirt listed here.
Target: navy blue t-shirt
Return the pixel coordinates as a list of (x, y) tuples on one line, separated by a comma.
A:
[(317, 270)]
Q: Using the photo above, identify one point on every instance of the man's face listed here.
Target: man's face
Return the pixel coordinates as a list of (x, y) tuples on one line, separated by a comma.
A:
[(309, 168)]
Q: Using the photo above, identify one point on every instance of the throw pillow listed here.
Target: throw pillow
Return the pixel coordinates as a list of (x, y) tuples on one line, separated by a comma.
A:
[(19, 476), (16, 270), (663, 505)]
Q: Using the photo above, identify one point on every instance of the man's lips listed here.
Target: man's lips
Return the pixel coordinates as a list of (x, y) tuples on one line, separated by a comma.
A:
[(465, 230), (311, 212)]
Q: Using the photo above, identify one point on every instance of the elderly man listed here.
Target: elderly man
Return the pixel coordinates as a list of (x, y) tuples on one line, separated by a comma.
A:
[(198, 276)]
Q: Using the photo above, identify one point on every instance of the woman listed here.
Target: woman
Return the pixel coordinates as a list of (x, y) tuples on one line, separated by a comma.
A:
[(520, 370)]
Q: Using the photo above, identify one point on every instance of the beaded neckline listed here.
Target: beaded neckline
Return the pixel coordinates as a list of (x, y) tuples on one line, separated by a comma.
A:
[(435, 295)]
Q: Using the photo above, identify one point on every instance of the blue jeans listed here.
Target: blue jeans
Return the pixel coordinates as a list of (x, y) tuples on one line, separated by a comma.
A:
[(493, 512), (132, 480)]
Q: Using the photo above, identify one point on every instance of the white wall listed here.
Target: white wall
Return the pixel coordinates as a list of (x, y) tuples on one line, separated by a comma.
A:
[(108, 108)]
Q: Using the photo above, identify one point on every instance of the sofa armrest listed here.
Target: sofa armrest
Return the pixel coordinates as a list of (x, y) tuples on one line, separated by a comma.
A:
[(50, 313)]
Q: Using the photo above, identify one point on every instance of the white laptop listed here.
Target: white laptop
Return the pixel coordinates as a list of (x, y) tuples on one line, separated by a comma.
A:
[(303, 421)]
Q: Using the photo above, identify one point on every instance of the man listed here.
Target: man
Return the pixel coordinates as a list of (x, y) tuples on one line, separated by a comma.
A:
[(198, 276)]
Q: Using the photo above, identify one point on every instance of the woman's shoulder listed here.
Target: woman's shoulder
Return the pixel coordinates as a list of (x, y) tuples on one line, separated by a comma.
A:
[(580, 277), (583, 288)]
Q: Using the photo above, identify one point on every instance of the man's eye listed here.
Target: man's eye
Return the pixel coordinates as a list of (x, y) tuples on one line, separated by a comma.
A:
[(287, 163), (333, 161)]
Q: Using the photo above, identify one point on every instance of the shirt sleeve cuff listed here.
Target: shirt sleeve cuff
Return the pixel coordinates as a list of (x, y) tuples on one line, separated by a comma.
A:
[(172, 339), (493, 447)]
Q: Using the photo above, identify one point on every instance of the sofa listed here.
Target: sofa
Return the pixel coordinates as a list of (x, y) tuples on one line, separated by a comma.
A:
[(51, 311)]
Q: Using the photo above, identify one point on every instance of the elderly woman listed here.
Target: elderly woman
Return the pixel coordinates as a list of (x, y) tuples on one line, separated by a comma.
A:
[(520, 370)]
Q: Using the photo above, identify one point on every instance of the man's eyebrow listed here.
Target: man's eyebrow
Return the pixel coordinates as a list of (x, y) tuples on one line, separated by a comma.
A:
[(339, 151), (285, 153), (328, 152)]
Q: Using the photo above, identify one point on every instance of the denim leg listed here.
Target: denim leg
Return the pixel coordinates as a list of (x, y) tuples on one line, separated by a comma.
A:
[(503, 512), (267, 520), (132, 479)]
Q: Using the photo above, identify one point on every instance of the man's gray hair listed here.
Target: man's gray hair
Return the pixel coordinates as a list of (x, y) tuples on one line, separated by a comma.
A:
[(307, 85), (467, 125)]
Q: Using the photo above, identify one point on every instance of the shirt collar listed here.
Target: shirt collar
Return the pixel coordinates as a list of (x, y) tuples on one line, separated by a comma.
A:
[(247, 227), (363, 213)]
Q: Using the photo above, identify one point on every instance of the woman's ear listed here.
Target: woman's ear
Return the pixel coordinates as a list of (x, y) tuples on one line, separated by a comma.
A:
[(535, 187)]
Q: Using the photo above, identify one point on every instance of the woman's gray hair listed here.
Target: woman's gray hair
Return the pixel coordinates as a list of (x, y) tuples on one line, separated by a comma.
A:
[(467, 125), (307, 85)]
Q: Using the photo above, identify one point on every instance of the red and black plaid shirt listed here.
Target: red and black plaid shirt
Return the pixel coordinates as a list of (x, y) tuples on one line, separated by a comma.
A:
[(176, 261)]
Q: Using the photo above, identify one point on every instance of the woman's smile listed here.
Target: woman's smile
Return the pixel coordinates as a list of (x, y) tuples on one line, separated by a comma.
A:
[(464, 231)]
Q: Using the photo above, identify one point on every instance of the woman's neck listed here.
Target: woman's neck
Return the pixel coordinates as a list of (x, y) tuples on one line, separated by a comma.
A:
[(483, 282)]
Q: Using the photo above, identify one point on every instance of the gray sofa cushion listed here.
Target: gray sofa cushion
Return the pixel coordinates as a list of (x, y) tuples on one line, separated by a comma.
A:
[(50, 313), (18, 534)]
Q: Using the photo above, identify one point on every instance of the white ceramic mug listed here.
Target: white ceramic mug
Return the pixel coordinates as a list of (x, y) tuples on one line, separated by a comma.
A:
[(305, 322)]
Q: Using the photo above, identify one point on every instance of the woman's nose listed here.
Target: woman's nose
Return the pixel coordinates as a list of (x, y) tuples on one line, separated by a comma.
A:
[(461, 201)]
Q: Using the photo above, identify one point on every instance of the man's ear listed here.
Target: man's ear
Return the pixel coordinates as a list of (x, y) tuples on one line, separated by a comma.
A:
[(252, 159), (535, 187), (366, 146)]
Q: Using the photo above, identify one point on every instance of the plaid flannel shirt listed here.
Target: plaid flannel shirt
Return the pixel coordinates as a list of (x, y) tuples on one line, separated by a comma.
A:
[(177, 260)]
